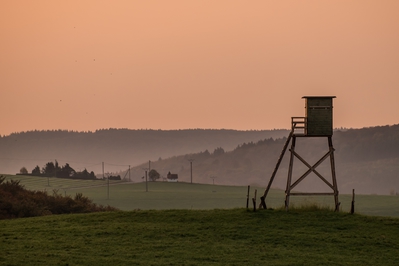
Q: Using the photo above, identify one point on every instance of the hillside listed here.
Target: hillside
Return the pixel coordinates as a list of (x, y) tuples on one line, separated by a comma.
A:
[(117, 148), (367, 160)]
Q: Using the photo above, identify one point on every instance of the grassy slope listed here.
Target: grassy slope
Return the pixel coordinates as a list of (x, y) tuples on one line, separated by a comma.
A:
[(212, 237), (162, 195)]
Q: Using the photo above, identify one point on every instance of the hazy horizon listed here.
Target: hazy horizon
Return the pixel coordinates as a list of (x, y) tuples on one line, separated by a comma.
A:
[(90, 65), (365, 159), (175, 129)]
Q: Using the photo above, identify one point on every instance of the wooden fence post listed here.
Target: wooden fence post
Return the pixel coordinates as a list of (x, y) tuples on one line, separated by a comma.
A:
[(248, 197)]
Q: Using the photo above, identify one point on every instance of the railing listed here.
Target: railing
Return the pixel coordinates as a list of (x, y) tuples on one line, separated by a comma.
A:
[(298, 125)]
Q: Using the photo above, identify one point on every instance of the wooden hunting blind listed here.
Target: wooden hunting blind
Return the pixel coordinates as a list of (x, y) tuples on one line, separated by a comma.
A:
[(319, 115), (317, 122)]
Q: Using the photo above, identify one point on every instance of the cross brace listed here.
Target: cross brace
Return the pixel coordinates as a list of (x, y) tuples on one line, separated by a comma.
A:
[(333, 186), (312, 168)]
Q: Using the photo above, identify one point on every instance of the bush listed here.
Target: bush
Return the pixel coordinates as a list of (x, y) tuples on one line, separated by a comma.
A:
[(18, 202)]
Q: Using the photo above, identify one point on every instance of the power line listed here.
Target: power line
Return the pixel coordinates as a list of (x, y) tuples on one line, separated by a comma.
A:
[(114, 164)]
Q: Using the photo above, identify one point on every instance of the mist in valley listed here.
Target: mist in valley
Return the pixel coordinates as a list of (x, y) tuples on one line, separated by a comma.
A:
[(116, 148), (366, 160)]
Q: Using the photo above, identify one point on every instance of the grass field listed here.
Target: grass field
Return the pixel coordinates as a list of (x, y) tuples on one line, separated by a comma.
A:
[(194, 224), (201, 237), (163, 195)]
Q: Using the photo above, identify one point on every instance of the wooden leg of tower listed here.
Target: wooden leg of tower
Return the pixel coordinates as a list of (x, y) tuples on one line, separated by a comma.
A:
[(288, 188), (334, 179), (263, 199)]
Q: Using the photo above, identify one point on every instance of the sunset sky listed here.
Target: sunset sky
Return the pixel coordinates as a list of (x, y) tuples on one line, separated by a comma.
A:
[(87, 65)]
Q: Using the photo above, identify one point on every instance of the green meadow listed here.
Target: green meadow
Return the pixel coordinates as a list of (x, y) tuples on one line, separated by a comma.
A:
[(201, 237), (194, 224), (162, 196)]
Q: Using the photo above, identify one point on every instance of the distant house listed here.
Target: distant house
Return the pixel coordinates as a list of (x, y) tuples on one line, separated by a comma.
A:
[(172, 177)]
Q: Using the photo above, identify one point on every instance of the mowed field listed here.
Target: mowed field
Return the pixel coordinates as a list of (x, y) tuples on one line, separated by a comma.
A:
[(201, 237), (193, 224), (165, 196)]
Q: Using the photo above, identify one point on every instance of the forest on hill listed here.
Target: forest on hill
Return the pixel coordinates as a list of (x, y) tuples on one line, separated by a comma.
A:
[(117, 148), (366, 160)]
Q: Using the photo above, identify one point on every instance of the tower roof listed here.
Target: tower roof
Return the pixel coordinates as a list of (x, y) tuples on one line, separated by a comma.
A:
[(318, 97)]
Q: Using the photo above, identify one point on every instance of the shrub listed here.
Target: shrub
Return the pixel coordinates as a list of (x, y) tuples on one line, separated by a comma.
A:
[(18, 202)]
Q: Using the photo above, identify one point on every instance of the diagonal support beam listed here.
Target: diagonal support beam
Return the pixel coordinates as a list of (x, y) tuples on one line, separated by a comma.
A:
[(277, 165), (312, 169)]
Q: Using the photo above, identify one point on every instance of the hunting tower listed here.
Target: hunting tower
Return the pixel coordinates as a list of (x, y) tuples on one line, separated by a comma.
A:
[(318, 115), (317, 122)]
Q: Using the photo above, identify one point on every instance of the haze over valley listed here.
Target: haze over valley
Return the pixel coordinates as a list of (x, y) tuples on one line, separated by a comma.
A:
[(366, 159)]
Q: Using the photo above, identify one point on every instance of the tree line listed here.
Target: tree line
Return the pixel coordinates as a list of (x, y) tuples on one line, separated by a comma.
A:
[(51, 169), (122, 146)]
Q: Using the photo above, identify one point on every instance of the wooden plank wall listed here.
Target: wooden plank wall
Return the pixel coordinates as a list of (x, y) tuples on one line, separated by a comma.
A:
[(319, 113)]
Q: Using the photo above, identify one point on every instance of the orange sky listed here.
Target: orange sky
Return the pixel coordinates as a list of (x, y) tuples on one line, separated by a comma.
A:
[(87, 65)]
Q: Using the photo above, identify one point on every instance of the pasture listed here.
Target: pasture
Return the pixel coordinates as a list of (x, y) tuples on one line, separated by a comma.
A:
[(194, 224), (162, 196), (201, 237)]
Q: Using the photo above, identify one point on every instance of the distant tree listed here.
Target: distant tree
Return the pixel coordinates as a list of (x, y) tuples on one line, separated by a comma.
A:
[(92, 175), (49, 169), (84, 175), (57, 168), (23, 170), (218, 151), (154, 175), (66, 171), (36, 171), (206, 153)]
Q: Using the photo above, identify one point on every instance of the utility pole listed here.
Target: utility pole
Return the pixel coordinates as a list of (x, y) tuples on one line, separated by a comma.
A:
[(103, 170), (107, 183), (146, 182), (191, 168), (213, 179), (129, 173), (55, 168), (149, 166)]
